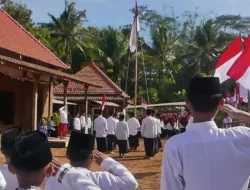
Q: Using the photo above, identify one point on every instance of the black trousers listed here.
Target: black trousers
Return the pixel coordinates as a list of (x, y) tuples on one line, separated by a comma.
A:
[(111, 142), (149, 144), (102, 144), (156, 147), (133, 141)]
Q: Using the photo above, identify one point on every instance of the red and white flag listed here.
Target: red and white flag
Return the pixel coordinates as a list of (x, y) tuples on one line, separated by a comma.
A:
[(103, 102), (240, 71), (144, 104), (228, 58), (134, 31)]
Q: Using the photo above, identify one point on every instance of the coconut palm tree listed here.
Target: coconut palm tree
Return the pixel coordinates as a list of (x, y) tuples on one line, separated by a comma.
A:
[(68, 29), (114, 46), (208, 43)]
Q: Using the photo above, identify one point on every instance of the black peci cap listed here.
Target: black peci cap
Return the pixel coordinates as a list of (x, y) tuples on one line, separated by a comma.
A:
[(80, 144), (207, 87), (31, 151), (9, 136)]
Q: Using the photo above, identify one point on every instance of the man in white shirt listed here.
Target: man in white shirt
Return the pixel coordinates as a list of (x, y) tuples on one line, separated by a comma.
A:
[(111, 138), (148, 133), (206, 157), (63, 125), (78, 176), (159, 131), (88, 129), (9, 182), (122, 134), (227, 122), (76, 122), (83, 121), (101, 128), (133, 125)]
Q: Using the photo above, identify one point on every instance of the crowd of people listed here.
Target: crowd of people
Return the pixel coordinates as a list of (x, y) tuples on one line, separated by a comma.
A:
[(202, 157)]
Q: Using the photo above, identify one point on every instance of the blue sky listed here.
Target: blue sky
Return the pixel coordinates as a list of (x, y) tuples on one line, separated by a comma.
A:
[(116, 12)]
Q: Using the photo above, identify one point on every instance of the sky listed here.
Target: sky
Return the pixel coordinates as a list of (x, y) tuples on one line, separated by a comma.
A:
[(102, 13)]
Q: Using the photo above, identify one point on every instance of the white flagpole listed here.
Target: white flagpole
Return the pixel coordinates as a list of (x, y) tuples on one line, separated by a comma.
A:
[(136, 59)]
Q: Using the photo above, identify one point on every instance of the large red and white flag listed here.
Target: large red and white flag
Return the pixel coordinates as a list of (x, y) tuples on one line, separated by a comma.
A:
[(144, 104), (134, 31), (228, 58), (240, 71), (103, 102)]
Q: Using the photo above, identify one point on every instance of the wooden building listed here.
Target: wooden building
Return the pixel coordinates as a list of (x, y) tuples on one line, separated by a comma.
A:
[(116, 99), (27, 71)]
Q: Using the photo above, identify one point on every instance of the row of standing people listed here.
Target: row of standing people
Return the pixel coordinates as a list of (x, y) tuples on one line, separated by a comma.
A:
[(82, 122)]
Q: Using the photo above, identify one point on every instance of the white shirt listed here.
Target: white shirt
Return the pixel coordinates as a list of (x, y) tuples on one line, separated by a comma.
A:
[(63, 116), (158, 121), (101, 126), (133, 126), (53, 184), (8, 180), (77, 124), (169, 126), (111, 122), (114, 177), (148, 127), (162, 125), (122, 130), (207, 158), (83, 121)]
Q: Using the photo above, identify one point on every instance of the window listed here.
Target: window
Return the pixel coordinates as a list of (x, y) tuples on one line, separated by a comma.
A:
[(7, 109)]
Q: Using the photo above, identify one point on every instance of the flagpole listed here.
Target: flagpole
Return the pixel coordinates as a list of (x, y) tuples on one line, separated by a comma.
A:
[(136, 58)]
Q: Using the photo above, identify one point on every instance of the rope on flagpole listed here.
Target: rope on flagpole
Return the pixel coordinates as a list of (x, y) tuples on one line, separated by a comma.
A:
[(146, 82), (126, 84)]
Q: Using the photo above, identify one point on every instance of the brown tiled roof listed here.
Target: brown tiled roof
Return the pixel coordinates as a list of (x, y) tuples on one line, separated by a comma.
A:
[(22, 65), (14, 38), (92, 73)]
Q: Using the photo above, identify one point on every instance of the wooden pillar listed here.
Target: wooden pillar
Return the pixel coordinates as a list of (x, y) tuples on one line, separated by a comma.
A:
[(34, 102), (65, 98), (86, 98), (51, 96)]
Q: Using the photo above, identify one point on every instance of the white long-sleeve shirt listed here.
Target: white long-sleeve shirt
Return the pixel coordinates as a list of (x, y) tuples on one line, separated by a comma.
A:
[(158, 121), (207, 158), (101, 126), (83, 121), (111, 122), (8, 180), (115, 176), (77, 124), (63, 116), (133, 125), (148, 127), (122, 130)]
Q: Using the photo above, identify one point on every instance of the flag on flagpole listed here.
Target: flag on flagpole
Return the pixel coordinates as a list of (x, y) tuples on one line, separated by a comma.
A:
[(144, 104), (135, 29), (103, 102), (240, 70), (228, 58)]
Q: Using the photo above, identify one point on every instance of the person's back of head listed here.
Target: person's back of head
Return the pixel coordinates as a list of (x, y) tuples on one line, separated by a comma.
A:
[(121, 117), (149, 112), (80, 149), (204, 95), (99, 112), (132, 114), (31, 158), (8, 141), (111, 114)]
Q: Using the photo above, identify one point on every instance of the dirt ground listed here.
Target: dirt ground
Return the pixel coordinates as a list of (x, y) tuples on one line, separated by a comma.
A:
[(147, 172)]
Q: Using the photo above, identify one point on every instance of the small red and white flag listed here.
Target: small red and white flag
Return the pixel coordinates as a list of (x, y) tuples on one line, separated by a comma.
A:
[(134, 31), (240, 71), (103, 102), (228, 58), (144, 104)]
